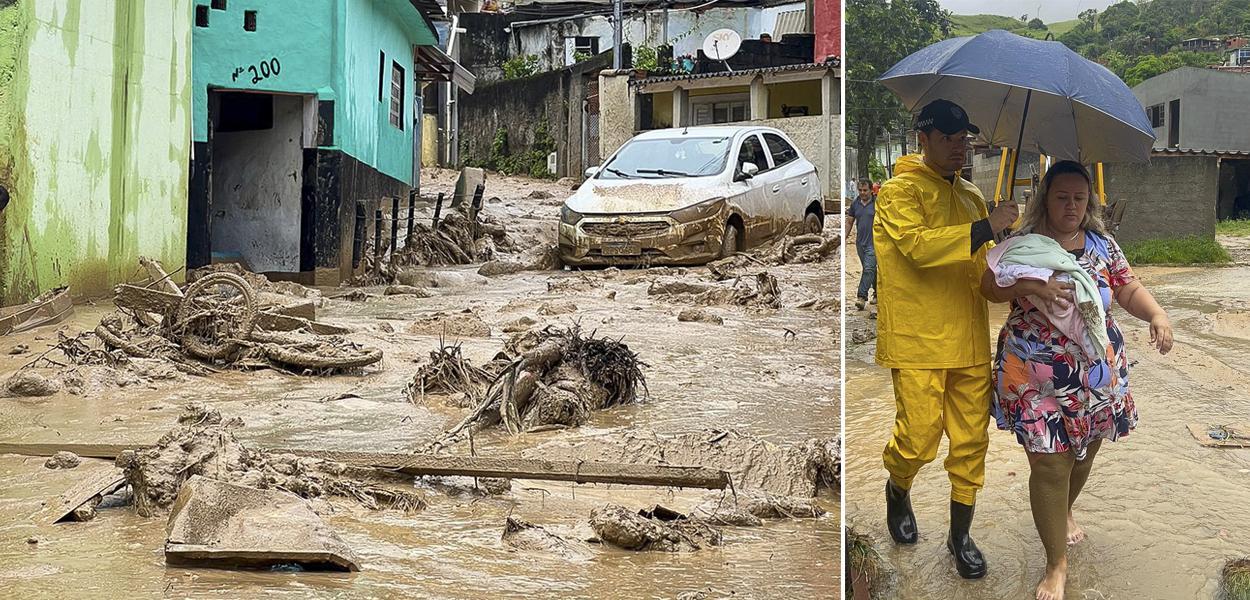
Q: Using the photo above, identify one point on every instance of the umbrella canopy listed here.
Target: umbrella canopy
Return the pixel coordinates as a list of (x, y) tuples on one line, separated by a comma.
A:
[(1076, 108)]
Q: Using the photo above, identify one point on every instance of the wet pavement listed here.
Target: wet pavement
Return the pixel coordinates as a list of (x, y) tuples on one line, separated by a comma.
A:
[(1162, 513), (771, 374)]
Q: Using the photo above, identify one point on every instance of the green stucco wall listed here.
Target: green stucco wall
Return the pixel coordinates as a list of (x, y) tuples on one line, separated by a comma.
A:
[(326, 48), (95, 132)]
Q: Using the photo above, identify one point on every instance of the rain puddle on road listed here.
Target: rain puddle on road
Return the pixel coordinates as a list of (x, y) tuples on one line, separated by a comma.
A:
[(769, 374), (1162, 513)]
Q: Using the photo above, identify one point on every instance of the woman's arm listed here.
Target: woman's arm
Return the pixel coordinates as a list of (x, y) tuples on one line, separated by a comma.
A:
[(1134, 298), (1060, 292)]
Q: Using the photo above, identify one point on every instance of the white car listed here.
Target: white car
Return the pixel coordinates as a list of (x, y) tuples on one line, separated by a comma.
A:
[(688, 196)]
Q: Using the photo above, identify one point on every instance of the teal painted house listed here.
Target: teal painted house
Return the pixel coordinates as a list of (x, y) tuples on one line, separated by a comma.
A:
[(302, 110)]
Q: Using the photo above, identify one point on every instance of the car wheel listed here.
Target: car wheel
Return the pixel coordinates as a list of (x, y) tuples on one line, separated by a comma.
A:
[(813, 223), (729, 242)]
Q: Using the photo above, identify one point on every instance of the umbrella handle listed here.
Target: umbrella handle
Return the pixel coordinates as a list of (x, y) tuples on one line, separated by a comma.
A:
[(1015, 159)]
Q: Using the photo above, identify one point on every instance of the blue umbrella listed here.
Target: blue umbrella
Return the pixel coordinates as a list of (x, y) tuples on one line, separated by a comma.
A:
[(1032, 95)]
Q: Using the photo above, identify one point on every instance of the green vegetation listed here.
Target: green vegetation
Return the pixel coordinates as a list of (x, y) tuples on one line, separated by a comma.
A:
[(1185, 251), (645, 58), (1233, 227), (519, 67), (532, 162), (1235, 579), (1062, 27), (962, 25)]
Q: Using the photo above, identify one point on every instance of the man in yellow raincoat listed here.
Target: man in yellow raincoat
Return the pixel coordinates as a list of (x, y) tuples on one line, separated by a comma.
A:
[(931, 234)]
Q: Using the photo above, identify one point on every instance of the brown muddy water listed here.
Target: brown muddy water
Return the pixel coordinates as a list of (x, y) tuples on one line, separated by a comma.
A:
[(1162, 513), (770, 374)]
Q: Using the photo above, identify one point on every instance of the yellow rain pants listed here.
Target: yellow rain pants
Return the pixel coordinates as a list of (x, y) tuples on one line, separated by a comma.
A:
[(932, 401), (933, 324)]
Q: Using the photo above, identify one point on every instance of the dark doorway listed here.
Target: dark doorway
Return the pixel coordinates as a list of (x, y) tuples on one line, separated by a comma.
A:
[(1174, 123)]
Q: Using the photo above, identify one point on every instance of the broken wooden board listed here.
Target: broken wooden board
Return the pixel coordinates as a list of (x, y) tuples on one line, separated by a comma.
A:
[(146, 299), (222, 525), (92, 478), (275, 322), (1221, 436), (471, 466), (160, 279), (49, 308), (286, 305)]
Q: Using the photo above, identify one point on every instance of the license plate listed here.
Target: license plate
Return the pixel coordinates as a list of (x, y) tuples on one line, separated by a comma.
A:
[(620, 249)]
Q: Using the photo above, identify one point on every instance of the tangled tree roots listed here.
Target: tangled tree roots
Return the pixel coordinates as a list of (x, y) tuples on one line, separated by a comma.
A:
[(655, 529), (557, 381), (447, 373)]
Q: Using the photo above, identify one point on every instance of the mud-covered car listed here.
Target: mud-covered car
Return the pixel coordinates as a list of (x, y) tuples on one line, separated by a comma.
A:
[(688, 196)]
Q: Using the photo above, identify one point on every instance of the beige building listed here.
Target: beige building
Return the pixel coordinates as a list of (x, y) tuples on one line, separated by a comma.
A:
[(804, 101)]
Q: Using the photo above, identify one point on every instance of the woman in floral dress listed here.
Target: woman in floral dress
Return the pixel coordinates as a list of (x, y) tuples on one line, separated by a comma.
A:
[(1059, 401)]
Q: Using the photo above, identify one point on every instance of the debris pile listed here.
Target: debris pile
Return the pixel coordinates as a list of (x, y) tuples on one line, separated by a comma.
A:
[(791, 470), (556, 380), (63, 460), (750, 506), (448, 373), (27, 384), (204, 444), (457, 325), (757, 291), (523, 535), (657, 528), (546, 258)]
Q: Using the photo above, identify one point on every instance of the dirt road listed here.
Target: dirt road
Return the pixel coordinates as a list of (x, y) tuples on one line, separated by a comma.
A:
[(1162, 513), (772, 374)]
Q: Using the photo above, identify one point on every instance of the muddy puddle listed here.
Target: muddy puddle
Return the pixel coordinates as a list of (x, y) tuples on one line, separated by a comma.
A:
[(771, 374), (1162, 513)]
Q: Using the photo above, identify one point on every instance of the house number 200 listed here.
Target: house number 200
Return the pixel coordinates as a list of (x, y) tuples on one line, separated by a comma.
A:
[(265, 70)]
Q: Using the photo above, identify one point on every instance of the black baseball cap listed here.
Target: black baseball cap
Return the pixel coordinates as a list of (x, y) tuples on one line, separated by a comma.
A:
[(945, 116)]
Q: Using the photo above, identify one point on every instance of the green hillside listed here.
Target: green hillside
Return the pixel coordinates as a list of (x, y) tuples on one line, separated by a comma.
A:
[(1061, 27), (962, 25)]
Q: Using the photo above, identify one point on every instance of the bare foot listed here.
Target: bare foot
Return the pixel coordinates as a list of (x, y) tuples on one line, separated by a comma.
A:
[(1052, 583), (1076, 535)]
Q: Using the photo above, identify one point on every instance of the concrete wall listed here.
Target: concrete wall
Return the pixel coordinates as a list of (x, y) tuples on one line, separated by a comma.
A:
[(1170, 197), (95, 108), (616, 112), (256, 193), (1212, 107)]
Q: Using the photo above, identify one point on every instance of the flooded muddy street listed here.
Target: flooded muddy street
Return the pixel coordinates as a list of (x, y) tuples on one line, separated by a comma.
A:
[(1161, 512), (769, 375)]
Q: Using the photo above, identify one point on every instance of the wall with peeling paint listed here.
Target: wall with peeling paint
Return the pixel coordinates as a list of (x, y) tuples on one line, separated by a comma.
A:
[(94, 137), (327, 48)]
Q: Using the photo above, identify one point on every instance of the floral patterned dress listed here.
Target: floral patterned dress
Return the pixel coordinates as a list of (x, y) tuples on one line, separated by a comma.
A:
[(1046, 390)]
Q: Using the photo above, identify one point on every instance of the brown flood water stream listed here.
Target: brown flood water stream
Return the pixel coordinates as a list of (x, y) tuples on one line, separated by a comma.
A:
[(1162, 513), (748, 374)]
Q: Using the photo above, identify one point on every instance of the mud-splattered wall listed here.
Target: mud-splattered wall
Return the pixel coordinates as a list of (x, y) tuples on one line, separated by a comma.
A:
[(95, 101)]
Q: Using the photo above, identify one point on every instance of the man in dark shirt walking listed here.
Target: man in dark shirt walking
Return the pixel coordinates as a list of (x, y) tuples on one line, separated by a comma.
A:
[(859, 216)]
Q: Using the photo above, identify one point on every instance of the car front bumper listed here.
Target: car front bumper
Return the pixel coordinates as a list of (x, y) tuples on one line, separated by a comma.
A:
[(640, 240)]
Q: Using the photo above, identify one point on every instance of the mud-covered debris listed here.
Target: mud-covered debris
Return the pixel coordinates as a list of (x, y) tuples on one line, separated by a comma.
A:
[(820, 303), (423, 278), (258, 282), (555, 308), (520, 325), (750, 461), (749, 506), (27, 383), (631, 530), (546, 258), (863, 335), (539, 195), (558, 380), (219, 524), (576, 283), (699, 315), (19, 349), (519, 535), (759, 290), (63, 460), (869, 573), (460, 485), (824, 462), (447, 373), (675, 286), (453, 325), (405, 290), (204, 444), (497, 267)]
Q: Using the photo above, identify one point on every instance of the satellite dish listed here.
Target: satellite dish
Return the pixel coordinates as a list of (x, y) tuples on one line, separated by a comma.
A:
[(722, 44)]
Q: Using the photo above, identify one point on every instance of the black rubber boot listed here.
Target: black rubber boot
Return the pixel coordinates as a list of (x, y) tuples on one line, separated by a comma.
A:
[(968, 559), (899, 518)]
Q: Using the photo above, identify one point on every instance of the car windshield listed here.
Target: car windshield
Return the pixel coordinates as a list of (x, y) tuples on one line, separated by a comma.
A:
[(663, 158)]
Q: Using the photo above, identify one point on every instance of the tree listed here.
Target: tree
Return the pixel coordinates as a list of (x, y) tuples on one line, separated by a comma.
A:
[(885, 33), (1037, 24)]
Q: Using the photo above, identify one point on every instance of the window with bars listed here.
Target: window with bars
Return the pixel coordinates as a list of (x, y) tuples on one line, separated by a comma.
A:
[(397, 95), (1156, 115)]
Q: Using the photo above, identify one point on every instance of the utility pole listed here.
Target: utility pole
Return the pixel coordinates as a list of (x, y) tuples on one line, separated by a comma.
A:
[(616, 34)]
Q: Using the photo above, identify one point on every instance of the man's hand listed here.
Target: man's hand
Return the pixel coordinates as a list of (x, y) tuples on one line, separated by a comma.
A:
[(1004, 215)]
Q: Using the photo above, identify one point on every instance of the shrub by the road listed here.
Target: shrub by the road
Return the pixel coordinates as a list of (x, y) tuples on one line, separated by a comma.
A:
[(1185, 251)]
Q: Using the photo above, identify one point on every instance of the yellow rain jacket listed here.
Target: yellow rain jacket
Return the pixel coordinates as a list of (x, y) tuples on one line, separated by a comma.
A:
[(931, 312)]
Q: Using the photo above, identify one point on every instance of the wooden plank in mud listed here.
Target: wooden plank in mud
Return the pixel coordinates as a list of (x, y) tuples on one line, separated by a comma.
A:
[(1221, 436), (160, 278), (276, 322), (145, 299), (477, 466), (91, 479)]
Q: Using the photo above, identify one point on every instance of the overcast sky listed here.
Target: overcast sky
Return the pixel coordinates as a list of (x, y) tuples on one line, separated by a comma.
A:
[(1051, 10)]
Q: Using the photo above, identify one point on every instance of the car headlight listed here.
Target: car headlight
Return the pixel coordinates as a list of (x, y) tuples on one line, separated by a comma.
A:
[(699, 211), (569, 216)]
